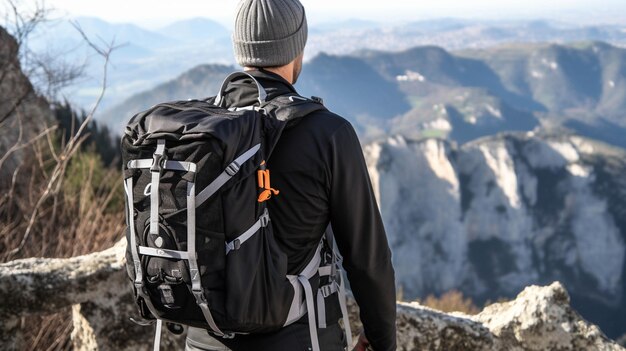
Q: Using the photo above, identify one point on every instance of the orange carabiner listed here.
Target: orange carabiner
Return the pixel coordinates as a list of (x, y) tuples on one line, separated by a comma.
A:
[(263, 179)]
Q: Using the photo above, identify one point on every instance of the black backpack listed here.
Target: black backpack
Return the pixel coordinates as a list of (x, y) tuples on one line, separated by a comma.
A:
[(201, 250)]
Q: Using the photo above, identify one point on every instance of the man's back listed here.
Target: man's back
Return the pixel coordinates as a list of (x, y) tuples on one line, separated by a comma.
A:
[(319, 169)]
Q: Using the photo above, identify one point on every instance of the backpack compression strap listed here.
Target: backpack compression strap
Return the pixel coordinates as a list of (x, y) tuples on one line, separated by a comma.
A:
[(302, 286), (337, 284), (156, 166)]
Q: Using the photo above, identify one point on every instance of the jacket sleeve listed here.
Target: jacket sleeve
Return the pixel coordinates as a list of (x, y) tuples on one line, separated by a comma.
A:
[(361, 239)]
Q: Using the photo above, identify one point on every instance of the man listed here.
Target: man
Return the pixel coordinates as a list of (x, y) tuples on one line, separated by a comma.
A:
[(319, 169)]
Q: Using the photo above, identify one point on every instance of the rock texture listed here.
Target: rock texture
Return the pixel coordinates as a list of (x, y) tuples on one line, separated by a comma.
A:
[(540, 318), (498, 214), (23, 114), (97, 287)]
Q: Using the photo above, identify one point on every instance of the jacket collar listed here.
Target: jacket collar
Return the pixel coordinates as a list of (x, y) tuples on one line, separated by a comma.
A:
[(243, 92)]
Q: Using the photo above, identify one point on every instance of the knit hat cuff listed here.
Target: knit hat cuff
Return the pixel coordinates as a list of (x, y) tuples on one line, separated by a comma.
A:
[(271, 53)]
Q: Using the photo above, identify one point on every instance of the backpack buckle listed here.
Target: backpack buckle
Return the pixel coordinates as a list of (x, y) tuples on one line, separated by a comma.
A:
[(232, 168), (158, 161), (326, 290), (199, 296), (158, 158), (265, 219)]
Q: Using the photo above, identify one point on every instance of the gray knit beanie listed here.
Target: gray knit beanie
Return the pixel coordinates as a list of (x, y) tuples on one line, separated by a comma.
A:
[(269, 33)]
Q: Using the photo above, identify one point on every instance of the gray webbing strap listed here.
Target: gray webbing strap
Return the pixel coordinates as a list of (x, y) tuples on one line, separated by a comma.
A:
[(344, 310), (310, 306), (171, 165), (246, 108), (164, 253), (128, 187), (261, 223), (130, 218), (321, 310), (322, 293), (225, 176), (298, 307), (194, 272), (307, 273), (324, 271), (337, 283), (142, 163), (157, 335), (154, 188), (330, 240), (329, 289)]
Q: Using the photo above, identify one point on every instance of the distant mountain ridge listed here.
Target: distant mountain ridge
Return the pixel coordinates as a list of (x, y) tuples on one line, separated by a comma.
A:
[(428, 91), (147, 58), (142, 58), (201, 81)]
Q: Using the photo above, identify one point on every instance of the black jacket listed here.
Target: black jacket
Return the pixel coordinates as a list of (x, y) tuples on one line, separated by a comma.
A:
[(319, 169)]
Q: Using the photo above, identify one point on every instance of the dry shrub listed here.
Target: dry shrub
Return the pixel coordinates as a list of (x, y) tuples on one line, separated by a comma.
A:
[(79, 213), (451, 301), (58, 204)]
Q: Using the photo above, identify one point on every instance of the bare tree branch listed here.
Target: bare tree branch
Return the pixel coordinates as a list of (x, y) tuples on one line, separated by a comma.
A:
[(73, 144), (17, 146)]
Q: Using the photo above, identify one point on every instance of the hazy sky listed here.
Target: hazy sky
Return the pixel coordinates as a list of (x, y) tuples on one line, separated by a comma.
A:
[(155, 13)]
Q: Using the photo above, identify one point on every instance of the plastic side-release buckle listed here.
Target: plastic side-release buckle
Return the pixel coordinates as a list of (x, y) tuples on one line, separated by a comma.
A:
[(158, 160), (197, 293), (327, 290), (265, 219), (232, 168)]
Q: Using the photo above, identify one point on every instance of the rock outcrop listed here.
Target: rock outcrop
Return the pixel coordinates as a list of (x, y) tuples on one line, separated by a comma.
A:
[(493, 216), (540, 318), (23, 114)]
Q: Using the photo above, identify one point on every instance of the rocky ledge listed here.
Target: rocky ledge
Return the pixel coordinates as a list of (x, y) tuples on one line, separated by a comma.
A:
[(540, 318)]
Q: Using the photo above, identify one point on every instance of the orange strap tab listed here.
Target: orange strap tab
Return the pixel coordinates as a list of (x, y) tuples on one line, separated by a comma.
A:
[(263, 179)]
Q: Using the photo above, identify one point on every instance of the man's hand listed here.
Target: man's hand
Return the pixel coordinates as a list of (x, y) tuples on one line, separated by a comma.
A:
[(362, 344)]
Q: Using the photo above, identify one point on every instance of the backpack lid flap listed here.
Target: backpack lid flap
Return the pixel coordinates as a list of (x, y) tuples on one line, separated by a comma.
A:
[(190, 120)]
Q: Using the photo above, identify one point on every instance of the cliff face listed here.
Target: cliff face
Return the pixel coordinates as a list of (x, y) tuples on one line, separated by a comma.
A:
[(505, 212), (23, 114)]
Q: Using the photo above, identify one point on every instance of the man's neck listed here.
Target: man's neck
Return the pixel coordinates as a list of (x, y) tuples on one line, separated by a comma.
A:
[(284, 71)]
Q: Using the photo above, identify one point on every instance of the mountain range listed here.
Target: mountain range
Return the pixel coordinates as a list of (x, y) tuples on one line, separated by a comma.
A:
[(142, 58), (146, 58), (463, 95)]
